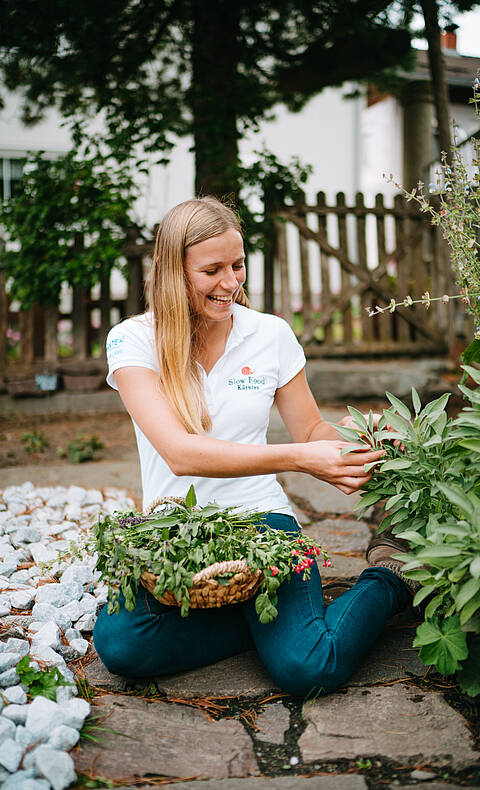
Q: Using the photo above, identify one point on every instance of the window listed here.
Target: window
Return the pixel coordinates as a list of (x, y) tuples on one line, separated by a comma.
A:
[(10, 176)]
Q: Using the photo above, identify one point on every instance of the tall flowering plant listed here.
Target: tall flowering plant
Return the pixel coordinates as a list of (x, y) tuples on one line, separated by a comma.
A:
[(453, 203)]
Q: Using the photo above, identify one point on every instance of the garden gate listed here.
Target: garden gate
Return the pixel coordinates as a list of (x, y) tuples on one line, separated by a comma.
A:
[(350, 259), (324, 266)]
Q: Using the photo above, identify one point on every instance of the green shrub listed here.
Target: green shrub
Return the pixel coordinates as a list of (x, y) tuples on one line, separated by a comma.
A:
[(81, 449), (431, 487)]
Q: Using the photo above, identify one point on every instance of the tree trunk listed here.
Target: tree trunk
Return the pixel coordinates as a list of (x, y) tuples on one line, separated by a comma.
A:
[(214, 77), (438, 75)]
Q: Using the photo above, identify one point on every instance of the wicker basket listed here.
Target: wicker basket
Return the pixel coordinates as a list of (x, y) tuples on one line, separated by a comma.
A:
[(206, 592)]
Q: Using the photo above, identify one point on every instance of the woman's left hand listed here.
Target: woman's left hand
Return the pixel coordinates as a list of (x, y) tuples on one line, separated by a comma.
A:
[(348, 421)]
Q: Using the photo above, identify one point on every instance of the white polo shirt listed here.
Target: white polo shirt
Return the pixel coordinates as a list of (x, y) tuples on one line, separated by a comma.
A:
[(261, 355)]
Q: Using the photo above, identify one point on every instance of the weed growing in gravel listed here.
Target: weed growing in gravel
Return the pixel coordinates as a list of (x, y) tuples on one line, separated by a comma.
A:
[(40, 682)]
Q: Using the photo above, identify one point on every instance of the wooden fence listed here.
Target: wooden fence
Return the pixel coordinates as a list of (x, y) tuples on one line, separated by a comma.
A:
[(324, 265), (360, 257)]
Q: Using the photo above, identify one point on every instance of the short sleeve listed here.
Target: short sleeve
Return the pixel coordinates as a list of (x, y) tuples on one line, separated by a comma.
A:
[(130, 344), (291, 356)]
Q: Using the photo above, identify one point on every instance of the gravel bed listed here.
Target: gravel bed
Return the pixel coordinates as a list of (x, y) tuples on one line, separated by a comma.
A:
[(45, 614)]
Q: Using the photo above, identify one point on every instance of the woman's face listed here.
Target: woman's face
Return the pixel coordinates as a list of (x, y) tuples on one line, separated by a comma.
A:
[(215, 270)]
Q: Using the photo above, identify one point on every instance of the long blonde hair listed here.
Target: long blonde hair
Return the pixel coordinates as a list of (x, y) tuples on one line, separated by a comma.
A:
[(176, 325)]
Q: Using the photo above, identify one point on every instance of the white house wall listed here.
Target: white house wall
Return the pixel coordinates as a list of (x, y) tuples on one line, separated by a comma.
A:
[(325, 134)]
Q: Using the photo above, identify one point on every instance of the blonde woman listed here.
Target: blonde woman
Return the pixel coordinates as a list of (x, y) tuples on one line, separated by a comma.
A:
[(198, 375)]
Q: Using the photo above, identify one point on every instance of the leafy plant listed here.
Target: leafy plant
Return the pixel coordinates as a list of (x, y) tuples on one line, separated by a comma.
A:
[(430, 486), (181, 539), (66, 224), (40, 682), (81, 449), (34, 441)]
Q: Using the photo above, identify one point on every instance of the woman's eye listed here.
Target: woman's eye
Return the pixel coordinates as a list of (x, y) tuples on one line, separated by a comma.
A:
[(211, 271)]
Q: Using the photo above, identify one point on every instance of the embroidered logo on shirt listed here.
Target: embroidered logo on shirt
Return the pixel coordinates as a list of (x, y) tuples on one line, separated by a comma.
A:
[(247, 382), (247, 371), (114, 346)]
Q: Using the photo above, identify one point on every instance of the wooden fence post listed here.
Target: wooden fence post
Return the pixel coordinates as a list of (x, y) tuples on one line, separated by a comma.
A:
[(136, 289), (345, 277), (282, 256), (105, 305), (25, 320), (3, 319), (51, 340), (324, 265), (269, 251), (401, 235), (307, 302)]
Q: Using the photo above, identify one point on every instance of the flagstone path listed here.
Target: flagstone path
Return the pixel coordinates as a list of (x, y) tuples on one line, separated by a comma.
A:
[(228, 727)]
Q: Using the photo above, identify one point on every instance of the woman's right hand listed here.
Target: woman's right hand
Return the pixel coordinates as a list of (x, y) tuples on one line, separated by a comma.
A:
[(323, 460)]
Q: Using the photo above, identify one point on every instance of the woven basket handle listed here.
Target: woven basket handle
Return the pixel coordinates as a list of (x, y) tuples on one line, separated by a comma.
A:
[(219, 568), (161, 501)]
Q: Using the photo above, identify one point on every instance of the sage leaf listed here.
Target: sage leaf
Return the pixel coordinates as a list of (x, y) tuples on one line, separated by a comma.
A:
[(403, 410), (416, 401)]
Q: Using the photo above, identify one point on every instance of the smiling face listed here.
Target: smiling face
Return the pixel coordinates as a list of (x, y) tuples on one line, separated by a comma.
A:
[(215, 270)]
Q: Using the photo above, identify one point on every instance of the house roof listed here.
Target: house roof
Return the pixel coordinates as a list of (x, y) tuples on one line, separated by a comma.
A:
[(460, 71)]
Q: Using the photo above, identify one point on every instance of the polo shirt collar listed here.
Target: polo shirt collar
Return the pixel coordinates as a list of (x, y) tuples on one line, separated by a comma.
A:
[(244, 324)]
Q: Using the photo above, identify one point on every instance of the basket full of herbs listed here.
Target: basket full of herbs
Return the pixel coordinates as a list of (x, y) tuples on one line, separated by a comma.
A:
[(198, 557)]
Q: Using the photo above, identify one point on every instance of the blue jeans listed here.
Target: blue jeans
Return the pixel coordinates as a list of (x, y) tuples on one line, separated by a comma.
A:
[(308, 649)]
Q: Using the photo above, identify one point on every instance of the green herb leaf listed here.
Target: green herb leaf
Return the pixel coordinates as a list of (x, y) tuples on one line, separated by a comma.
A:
[(191, 498), (403, 410), (443, 645)]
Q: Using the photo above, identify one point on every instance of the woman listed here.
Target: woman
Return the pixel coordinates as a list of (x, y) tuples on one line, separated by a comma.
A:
[(198, 376)]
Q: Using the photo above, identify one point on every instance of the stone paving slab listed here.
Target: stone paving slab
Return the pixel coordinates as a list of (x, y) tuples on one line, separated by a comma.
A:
[(162, 739), (273, 723), (342, 567), (392, 657), (340, 534), (321, 496), (431, 786), (398, 722), (335, 782), (239, 676)]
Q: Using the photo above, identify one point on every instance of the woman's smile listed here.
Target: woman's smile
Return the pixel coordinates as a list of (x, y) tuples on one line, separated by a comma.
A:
[(215, 271)]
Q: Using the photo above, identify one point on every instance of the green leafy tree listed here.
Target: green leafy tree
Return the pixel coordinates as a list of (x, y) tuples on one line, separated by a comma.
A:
[(212, 68), (68, 224)]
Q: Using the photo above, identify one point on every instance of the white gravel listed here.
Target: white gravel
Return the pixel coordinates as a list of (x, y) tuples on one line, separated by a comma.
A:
[(41, 611)]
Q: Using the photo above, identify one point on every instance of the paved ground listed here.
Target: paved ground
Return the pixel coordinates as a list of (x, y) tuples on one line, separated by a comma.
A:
[(228, 727)]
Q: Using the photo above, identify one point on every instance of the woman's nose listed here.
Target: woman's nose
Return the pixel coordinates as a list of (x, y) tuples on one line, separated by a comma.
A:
[(229, 280)]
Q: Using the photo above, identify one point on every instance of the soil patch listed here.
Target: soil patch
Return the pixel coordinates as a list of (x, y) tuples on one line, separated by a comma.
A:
[(40, 439)]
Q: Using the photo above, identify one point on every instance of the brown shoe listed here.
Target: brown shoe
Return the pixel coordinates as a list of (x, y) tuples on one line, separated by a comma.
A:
[(379, 554)]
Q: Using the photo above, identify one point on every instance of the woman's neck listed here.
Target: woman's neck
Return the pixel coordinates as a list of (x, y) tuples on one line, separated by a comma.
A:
[(212, 337)]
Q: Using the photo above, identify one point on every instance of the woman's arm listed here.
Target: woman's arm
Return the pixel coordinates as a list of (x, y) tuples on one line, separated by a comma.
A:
[(300, 414), (200, 455)]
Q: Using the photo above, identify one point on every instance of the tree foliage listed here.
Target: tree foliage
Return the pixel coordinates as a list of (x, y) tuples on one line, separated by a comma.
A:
[(67, 224), (213, 68)]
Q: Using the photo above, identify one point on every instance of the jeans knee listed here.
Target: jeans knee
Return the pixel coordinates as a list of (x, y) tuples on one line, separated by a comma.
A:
[(307, 677)]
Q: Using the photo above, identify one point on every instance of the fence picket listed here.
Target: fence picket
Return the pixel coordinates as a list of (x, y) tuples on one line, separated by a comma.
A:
[(345, 277), (421, 257), (326, 293)]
